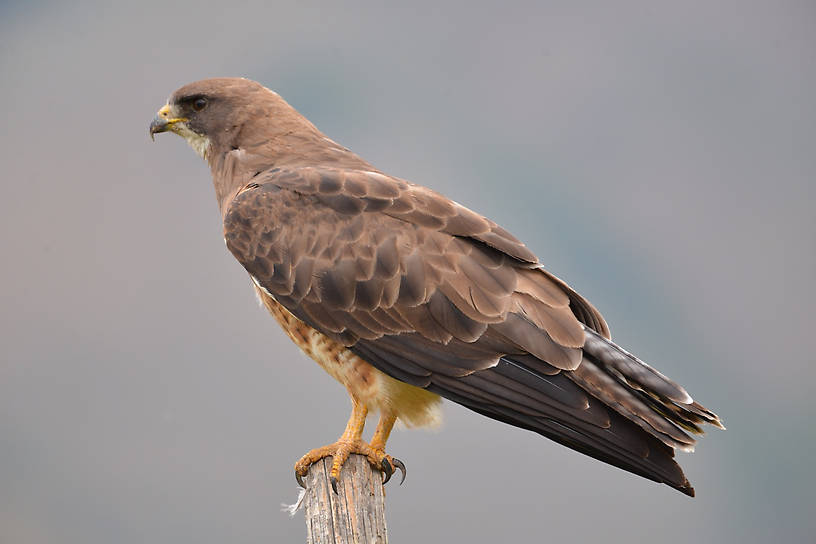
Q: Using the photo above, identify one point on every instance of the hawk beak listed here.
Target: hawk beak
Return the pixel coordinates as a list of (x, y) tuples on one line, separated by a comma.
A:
[(164, 121)]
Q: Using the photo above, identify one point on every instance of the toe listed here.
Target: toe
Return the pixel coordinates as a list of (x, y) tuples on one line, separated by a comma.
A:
[(339, 458)]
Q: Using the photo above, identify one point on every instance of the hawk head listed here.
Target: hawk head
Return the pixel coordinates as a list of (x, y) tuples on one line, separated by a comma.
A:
[(218, 113)]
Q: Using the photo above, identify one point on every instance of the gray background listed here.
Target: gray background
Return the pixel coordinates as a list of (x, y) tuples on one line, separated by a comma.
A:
[(660, 158)]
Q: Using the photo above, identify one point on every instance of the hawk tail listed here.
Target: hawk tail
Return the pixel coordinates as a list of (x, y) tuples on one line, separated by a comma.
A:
[(640, 393), (648, 415), (619, 443)]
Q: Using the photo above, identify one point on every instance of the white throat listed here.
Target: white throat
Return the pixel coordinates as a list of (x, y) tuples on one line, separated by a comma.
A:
[(199, 143)]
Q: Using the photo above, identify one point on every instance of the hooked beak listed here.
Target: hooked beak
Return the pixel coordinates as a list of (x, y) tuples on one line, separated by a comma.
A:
[(164, 121)]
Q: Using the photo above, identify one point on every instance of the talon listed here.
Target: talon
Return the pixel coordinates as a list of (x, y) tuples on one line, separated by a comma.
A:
[(299, 479), (401, 466), (333, 481), (387, 469)]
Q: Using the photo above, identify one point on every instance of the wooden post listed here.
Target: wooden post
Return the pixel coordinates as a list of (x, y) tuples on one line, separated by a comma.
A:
[(356, 514)]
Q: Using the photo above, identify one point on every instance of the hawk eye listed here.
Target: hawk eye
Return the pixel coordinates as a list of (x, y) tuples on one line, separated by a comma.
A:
[(199, 104)]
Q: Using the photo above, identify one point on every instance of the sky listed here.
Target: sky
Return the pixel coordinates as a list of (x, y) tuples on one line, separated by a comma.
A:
[(658, 156)]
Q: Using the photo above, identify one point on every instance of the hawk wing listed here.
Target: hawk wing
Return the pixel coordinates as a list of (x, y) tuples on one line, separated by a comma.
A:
[(441, 298)]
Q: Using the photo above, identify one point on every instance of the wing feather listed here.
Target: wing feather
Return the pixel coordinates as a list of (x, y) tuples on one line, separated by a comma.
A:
[(440, 297)]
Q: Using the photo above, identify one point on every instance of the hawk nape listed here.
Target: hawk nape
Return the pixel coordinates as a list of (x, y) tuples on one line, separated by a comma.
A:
[(405, 296)]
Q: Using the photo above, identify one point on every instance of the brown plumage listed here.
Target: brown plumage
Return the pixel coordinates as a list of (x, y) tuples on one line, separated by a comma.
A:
[(403, 295)]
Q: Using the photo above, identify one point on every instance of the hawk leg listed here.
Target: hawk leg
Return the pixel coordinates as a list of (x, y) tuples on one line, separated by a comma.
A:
[(351, 442), (381, 434)]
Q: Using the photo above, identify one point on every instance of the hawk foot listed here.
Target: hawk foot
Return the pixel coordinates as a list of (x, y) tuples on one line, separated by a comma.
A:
[(340, 451)]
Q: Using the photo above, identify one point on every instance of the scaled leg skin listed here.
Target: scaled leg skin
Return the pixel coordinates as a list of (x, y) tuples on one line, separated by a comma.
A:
[(381, 434), (351, 442)]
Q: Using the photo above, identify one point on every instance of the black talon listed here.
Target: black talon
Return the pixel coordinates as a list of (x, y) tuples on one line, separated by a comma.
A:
[(400, 465), (387, 469), (299, 479), (333, 481)]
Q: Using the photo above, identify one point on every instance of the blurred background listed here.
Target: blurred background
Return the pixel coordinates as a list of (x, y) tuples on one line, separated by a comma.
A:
[(660, 158)]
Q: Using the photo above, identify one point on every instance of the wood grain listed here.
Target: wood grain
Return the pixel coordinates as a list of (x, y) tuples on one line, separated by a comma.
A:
[(355, 514)]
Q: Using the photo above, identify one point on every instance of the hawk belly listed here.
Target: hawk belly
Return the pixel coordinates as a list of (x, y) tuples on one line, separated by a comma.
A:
[(413, 406)]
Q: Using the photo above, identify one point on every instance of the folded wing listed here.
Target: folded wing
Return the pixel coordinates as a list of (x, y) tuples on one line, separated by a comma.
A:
[(441, 298)]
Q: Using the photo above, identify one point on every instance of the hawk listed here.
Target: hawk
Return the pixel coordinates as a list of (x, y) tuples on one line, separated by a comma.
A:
[(405, 296)]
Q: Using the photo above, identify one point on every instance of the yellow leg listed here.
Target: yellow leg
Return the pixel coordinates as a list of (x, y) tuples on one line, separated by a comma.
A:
[(383, 431), (351, 442), (356, 422), (381, 434)]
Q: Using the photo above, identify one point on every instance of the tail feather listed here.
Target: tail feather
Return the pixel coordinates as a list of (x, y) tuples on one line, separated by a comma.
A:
[(610, 391), (641, 393), (619, 443)]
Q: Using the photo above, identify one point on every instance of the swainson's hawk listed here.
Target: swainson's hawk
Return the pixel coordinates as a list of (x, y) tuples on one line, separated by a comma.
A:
[(403, 295)]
